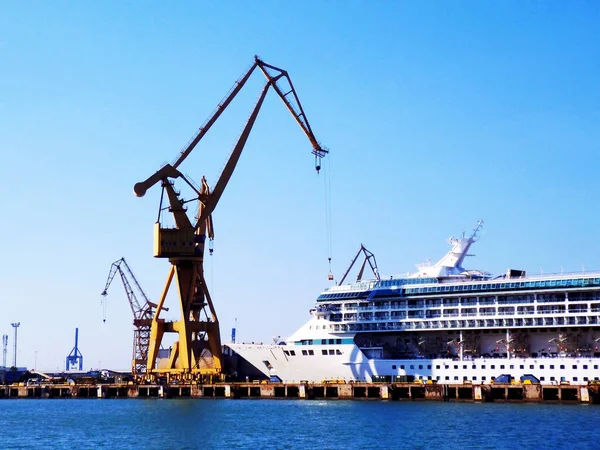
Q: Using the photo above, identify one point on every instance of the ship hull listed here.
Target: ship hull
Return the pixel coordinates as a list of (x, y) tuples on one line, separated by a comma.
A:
[(349, 363)]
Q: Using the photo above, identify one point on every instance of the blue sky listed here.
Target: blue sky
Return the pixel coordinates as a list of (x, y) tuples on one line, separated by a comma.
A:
[(437, 114)]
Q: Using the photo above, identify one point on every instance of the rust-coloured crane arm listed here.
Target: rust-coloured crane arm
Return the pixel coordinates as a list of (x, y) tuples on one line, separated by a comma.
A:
[(111, 275), (134, 304), (138, 310)]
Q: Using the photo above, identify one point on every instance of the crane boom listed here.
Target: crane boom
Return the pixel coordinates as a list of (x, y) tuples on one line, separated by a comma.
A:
[(237, 87), (214, 197), (171, 170), (134, 303), (300, 117)]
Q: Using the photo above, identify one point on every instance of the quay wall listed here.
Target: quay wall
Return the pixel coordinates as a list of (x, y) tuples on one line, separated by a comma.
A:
[(355, 391)]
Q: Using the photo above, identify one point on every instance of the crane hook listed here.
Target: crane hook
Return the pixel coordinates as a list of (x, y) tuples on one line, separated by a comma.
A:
[(317, 163)]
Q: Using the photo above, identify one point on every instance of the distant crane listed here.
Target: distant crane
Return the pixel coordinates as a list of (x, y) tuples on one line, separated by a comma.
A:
[(369, 258), (75, 358), (143, 313), (4, 348)]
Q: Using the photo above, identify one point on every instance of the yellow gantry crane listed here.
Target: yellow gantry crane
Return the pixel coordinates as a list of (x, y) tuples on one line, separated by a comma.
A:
[(197, 351)]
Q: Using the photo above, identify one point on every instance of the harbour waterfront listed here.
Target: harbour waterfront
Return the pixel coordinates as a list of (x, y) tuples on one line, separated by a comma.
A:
[(499, 391), (324, 424)]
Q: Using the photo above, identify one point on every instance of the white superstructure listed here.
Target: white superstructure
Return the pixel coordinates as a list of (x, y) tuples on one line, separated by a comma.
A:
[(446, 324)]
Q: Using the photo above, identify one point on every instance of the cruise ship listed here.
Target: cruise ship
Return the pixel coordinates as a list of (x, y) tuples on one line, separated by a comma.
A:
[(443, 323)]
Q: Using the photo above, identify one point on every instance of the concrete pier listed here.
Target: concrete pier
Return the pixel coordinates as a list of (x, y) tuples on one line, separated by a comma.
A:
[(363, 391)]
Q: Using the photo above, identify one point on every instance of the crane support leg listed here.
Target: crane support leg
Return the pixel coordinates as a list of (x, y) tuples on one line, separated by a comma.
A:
[(212, 330), (157, 329), (174, 355), (156, 334), (184, 272), (198, 348)]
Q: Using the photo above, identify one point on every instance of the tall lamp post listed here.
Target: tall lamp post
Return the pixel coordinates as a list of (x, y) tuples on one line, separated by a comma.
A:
[(4, 345), (15, 326)]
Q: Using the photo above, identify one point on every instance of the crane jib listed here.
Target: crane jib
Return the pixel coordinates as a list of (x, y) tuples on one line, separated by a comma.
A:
[(294, 106)]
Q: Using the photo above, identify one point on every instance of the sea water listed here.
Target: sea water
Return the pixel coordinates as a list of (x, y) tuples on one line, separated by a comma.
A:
[(294, 424)]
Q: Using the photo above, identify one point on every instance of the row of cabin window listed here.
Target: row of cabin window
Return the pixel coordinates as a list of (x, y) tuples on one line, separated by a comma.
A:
[(311, 352), (484, 378), (584, 282), (398, 283), (493, 366), (345, 295), (316, 341)]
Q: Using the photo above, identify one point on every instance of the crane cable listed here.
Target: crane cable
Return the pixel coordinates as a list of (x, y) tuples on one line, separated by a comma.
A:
[(212, 265), (103, 304), (327, 182)]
